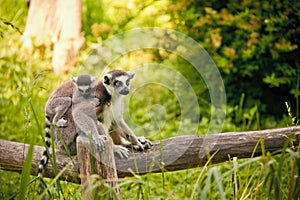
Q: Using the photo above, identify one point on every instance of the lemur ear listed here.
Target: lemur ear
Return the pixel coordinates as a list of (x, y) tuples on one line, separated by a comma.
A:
[(74, 79), (93, 81), (131, 74), (107, 79)]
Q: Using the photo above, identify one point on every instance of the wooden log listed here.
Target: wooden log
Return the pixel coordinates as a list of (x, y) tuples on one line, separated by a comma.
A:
[(185, 152), (102, 163)]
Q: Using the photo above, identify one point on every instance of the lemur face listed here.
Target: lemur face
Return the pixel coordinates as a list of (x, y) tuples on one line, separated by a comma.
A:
[(85, 84), (118, 82)]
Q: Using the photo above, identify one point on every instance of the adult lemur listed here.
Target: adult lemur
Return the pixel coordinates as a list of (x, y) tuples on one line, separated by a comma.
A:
[(109, 111)]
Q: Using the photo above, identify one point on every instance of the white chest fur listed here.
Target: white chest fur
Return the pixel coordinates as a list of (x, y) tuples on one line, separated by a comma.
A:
[(113, 112), (107, 118)]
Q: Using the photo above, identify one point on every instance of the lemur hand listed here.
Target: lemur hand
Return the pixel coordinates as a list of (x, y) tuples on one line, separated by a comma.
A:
[(95, 101), (121, 152), (100, 141)]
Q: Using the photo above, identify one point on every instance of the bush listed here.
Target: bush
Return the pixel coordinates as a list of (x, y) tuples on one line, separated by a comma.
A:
[(255, 44)]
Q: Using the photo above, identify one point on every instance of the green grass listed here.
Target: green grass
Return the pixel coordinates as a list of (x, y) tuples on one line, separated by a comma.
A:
[(25, 85), (256, 178)]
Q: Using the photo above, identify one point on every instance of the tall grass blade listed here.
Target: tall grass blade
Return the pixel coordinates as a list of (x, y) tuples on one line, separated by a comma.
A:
[(28, 161), (26, 171), (162, 168), (91, 152), (196, 185), (235, 180), (65, 147), (218, 180), (55, 180)]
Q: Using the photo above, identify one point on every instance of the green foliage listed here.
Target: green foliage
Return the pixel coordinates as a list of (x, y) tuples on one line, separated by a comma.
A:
[(104, 18), (255, 44), (14, 17)]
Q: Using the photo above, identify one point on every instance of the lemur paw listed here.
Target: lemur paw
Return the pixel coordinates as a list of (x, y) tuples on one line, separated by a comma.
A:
[(137, 146), (95, 101), (62, 123), (145, 142), (100, 142), (121, 151)]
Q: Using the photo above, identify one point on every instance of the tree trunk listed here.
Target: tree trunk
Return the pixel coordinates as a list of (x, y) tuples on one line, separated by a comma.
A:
[(54, 24), (101, 163)]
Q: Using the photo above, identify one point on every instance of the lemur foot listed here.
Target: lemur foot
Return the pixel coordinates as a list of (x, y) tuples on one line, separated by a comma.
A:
[(145, 142), (141, 144), (100, 142), (62, 123), (121, 151), (137, 146)]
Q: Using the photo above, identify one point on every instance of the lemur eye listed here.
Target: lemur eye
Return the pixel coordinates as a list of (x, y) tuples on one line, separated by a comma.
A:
[(127, 82), (117, 83)]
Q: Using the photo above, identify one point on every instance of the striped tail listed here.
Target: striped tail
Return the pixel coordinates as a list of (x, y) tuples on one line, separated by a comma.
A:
[(45, 156)]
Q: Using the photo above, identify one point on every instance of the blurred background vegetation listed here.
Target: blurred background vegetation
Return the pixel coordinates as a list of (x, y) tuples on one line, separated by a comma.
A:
[(255, 45)]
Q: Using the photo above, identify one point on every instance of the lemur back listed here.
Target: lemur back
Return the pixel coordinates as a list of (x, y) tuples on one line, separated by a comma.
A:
[(55, 112)]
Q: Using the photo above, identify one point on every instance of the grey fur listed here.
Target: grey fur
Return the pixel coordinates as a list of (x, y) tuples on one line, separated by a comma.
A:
[(84, 115)]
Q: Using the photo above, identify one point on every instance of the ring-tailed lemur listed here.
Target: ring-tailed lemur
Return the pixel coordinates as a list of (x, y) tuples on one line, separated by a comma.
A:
[(114, 86), (83, 109), (109, 91)]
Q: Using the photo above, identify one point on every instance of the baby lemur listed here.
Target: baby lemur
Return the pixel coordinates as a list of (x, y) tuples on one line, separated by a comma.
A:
[(83, 109), (109, 112)]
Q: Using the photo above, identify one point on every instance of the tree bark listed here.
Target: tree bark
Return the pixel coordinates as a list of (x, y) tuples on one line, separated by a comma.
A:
[(54, 24), (189, 151), (101, 163)]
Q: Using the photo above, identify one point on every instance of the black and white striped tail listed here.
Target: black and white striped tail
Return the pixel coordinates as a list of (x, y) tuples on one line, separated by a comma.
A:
[(45, 156)]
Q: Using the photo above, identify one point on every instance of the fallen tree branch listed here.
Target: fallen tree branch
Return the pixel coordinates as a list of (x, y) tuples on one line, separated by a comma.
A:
[(171, 154)]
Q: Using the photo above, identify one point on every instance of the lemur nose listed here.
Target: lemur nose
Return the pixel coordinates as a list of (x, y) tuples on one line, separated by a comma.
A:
[(124, 91)]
